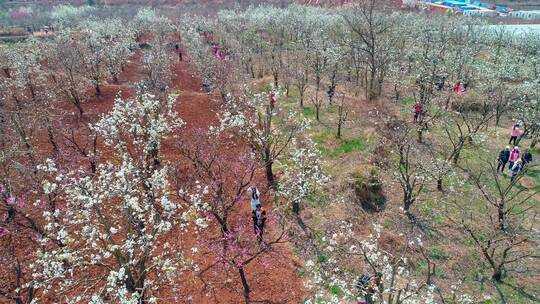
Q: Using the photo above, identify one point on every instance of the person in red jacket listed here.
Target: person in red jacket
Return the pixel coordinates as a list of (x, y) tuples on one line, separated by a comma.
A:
[(272, 99), (456, 87), (417, 111), (514, 157), (514, 134)]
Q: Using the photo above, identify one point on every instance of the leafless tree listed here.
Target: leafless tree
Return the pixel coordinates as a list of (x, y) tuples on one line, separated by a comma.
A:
[(370, 28)]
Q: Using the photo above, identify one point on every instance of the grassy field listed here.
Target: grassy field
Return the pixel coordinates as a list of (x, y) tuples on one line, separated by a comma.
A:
[(455, 255)]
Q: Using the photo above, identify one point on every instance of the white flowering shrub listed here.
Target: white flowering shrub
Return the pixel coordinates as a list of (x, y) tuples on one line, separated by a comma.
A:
[(114, 231), (335, 280), (146, 20), (209, 59), (303, 174), (268, 127), (111, 41), (68, 15), (139, 124), (527, 109), (103, 47)]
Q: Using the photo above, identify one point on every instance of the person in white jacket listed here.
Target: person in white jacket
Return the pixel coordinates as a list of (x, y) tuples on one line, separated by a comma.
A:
[(255, 197), (516, 169)]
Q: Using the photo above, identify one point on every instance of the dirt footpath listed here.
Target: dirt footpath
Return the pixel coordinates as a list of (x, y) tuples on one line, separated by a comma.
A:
[(273, 279)]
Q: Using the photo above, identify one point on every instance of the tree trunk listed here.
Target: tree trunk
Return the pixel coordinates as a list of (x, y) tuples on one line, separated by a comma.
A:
[(501, 216), (497, 275), (98, 89), (296, 207), (268, 165), (440, 185), (11, 215), (50, 134), (371, 91), (455, 155), (75, 99), (81, 111), (18, 299), (407, 200), (270, 174), (32, 91), (245, 285)]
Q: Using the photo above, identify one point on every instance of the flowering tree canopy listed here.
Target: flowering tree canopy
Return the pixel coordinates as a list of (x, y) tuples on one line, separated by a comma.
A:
[(113, 230)]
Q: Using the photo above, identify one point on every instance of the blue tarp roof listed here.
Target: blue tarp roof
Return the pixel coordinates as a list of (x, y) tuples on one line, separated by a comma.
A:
[(482, 4)]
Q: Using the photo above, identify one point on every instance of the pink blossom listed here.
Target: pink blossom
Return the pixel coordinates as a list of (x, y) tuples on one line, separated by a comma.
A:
[(11, 200), (3, 231), (20, 15), (36, 237)]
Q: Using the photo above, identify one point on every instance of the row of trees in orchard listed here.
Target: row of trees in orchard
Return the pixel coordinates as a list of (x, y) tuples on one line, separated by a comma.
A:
[(95, 208), (465, 77), (364, 48), (78, 225)]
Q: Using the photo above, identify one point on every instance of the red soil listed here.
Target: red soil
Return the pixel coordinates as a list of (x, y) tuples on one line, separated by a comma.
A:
[(272, 278)]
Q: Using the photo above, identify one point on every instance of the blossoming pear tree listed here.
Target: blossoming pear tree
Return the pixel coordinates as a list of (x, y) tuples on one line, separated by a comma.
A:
[(115, 227), (363, 268)]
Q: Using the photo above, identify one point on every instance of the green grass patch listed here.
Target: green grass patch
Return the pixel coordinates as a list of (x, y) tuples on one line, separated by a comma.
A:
[(335, 290), (317, 199), (332, 109), (439, 273), (437, 253), (388, 224), (438, 219), (323, 136), (309, 112), (348, 146), (407, 101), (535, 174)]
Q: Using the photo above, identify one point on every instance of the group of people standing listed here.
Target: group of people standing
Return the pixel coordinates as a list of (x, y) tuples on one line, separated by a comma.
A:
[(258, 214), (516, 160)]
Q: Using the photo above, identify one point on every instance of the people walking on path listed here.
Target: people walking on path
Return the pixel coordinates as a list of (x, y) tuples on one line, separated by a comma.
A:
[(514, 156), (369, 286), (527, 157), (255, 198), (515, 133), (177, 48), (259, 219), (503, 158), (417, 111), (516, 169)]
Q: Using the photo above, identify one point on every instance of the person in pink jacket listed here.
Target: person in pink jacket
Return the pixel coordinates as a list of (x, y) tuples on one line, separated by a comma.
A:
[(514, 156), (514, 134)]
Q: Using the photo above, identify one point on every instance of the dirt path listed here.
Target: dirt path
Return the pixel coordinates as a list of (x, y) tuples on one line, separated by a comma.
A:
[(272, 279)]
